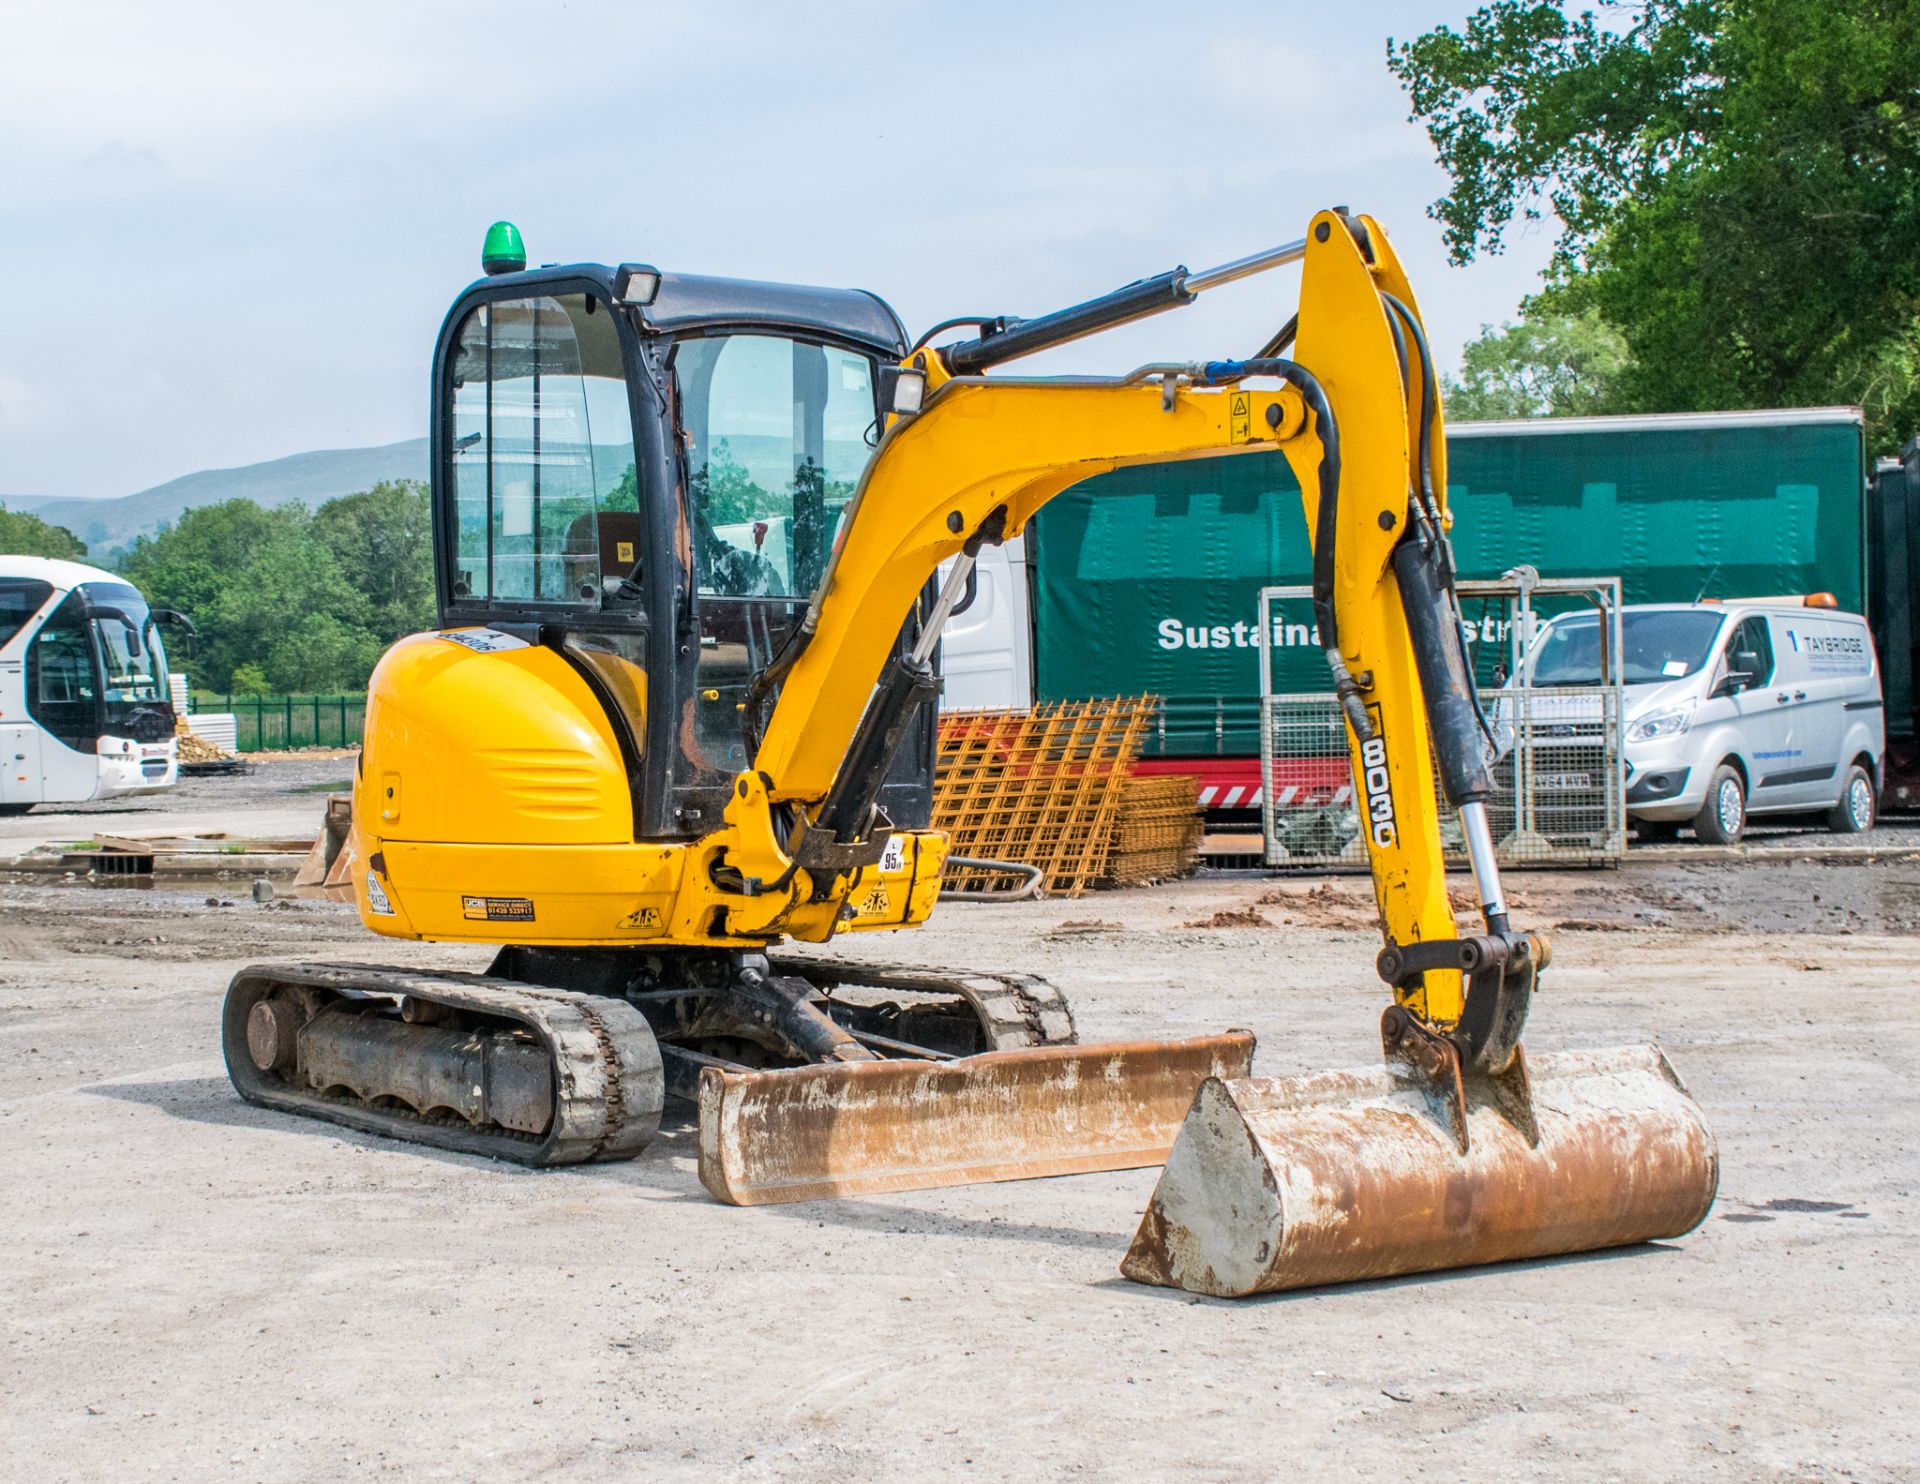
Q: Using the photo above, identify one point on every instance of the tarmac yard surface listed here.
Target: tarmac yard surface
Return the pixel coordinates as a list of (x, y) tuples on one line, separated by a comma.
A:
[(195, 1289)]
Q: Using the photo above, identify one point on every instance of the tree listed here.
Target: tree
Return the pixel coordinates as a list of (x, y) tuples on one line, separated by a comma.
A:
[(252, 580), (382, 540), (250, 679), (22, 534), (1737, 184), (320, 653), (1548, 365)]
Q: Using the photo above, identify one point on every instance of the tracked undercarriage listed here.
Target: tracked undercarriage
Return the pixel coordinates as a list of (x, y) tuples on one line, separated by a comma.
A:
[(557, 1058)]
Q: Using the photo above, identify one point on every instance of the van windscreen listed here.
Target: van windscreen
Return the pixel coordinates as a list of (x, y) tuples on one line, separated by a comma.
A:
[(1659, 644)]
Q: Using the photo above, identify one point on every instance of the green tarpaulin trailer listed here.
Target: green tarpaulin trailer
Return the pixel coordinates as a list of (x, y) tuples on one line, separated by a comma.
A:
[(1893, 564), (1146, 579)]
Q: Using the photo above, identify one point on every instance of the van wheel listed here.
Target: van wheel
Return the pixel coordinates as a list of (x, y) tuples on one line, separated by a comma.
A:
[(1857, 809), (1723, 817)]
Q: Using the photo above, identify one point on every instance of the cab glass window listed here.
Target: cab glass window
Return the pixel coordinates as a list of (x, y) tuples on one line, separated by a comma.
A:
[(1750, 650), (63, 688), (20, 599), (133, 665), (776, 434), (542, 471)]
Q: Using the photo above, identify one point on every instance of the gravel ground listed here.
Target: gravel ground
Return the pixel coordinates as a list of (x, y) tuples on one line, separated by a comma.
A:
[(197, 1289)]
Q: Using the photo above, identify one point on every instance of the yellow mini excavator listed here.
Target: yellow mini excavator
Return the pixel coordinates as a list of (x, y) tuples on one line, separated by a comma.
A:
[(689, 534)]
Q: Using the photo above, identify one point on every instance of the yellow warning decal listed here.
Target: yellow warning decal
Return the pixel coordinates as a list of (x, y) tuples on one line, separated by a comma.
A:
[(623, 551), (645, 919), (1242, 420)]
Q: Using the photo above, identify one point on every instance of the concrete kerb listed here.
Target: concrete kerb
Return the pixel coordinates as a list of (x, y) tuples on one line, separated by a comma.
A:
[(1798, 850)]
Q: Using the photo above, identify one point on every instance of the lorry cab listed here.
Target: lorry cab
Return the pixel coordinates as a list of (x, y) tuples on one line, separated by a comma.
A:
[(1735, 709), (84, 705)]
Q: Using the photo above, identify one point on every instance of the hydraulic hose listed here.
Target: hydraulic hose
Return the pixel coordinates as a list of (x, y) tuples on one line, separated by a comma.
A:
[(1442, 552)]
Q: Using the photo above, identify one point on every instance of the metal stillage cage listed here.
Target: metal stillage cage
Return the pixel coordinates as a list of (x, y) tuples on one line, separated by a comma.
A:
[(1559, 778)]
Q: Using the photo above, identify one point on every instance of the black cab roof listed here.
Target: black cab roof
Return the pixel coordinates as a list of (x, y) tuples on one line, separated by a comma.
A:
[(690, 301)]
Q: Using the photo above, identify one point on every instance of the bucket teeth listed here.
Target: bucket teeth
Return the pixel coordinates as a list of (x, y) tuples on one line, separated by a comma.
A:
[(820, 1132), (1276, 1184)]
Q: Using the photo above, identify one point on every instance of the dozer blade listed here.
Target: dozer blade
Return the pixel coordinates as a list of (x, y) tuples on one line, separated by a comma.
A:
[(857, 1128), (1288, 1183)]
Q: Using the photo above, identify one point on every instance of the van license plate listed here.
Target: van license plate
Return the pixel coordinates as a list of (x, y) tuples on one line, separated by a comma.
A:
[(1563, 782)]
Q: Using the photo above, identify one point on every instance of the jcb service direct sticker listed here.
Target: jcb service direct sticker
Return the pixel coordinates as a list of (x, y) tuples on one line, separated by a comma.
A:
[(497, 909)]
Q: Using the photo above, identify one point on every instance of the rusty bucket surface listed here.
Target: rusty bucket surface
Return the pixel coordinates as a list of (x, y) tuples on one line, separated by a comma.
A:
[(855, 1128), (1292, 1182)]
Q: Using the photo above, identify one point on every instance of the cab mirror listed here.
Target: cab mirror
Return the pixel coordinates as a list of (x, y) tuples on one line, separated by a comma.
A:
[(1733, 682), (106, 613)]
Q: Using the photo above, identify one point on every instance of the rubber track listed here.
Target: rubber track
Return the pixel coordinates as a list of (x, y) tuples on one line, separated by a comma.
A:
[(1015, 1010), (607, 1077)]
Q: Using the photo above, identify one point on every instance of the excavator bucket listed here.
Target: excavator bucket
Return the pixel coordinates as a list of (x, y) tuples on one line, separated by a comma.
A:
[(1292, 1182), (858, 1128)]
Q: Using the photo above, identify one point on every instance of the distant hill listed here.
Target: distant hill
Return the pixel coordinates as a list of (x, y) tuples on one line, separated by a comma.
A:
[(312, 478)]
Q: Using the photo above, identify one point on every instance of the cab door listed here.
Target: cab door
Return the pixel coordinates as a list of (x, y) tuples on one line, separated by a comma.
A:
[(1822, 662), (1772, 721), (542, 496)]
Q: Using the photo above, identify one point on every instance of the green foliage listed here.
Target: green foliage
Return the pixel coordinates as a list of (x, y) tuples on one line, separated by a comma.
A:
[(293, 601), (321, 653), (625, 494), (727, 492), (28, 535), (250, 679), (1548, 365), (383, 539), (1737, 182)]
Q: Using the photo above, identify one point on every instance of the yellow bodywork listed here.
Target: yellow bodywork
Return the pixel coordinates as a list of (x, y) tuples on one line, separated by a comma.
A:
[(493, 805), (492, 779)]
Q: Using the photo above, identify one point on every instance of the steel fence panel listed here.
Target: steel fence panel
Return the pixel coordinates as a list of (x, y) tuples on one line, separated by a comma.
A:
[(1559, 785), (278, 723)]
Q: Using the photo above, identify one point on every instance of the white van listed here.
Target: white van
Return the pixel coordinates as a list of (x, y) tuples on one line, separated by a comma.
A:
[(84, 706), (1736, 708)]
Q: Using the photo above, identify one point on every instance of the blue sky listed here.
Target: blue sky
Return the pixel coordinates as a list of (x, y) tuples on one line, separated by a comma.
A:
[(230, 230)]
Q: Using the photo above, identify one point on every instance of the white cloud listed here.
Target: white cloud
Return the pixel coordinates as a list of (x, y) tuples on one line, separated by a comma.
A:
[(22, 407)]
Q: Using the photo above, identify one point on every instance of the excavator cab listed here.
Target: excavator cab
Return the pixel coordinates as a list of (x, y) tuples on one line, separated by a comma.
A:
[(655, 488)]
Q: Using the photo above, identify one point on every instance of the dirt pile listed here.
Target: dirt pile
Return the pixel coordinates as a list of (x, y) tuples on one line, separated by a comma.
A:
[(197, 749)]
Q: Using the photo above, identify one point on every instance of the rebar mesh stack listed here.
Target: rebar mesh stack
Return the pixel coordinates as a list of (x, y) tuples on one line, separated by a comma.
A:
[(1054, 788)]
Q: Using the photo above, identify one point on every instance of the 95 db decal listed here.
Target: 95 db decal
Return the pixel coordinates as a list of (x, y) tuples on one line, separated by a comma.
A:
[(1376, 784), (497, 909)]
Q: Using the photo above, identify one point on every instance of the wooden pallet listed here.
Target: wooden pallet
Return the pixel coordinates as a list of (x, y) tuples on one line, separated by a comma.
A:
[(1043, 787)]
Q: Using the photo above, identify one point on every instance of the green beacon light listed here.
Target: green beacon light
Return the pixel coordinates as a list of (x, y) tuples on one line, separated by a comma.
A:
[(503, 251)]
